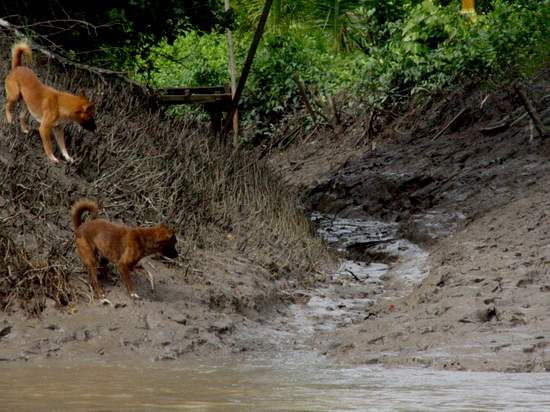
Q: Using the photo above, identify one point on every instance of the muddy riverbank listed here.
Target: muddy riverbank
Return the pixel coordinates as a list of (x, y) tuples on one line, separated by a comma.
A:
[(437, 223), (474, 196)]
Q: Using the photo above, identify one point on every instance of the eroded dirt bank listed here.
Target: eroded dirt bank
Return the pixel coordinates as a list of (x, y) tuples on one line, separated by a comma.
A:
[(478, 201), (244, 243)]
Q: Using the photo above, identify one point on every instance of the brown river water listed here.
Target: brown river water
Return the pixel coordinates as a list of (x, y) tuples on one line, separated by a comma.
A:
[(297, 381)]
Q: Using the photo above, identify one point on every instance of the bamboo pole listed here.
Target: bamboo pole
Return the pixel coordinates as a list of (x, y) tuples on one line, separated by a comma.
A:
[(233, 75)]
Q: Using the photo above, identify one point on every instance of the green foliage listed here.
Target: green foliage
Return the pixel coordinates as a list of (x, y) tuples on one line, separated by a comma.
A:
[(193, 59), (434, 47), (388, 50), (271, 88)]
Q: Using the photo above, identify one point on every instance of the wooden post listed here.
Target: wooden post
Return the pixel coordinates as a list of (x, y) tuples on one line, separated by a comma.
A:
[(233, 74), (248, 63), (468, 9)]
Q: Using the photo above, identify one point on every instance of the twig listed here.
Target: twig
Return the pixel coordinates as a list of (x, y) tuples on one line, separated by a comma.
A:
[(335, 116), (366, 134), (518, 119), (483, 101), (354, 275), (449, 124)]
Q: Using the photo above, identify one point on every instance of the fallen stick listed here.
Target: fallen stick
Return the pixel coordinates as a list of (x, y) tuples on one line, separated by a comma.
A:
[(354, 275), (148, 273), (449, 124), (497, 127), (303, 95)]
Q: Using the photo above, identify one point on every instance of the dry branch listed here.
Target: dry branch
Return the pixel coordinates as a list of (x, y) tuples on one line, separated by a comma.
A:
[(531, 110), (454, 119)]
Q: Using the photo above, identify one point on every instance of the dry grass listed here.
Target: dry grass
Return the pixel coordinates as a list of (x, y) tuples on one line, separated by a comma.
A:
[(142, 169), (30, 283)]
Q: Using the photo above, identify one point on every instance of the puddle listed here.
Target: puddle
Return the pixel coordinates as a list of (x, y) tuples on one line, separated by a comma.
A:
[(383, 251)]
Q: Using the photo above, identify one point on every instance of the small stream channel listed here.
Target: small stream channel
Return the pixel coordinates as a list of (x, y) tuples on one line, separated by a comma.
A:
[(290, 375), (372, 254)]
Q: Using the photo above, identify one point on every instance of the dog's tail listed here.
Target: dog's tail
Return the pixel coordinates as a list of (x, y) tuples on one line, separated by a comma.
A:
[(81, 206), (17, 50)]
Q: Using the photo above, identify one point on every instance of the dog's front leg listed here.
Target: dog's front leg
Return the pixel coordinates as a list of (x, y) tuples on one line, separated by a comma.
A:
[(60, 138), (126, 278), (46, 135)]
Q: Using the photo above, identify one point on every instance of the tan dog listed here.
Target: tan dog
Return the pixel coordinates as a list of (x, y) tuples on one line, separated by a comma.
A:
[(119, 244), (52, 108)]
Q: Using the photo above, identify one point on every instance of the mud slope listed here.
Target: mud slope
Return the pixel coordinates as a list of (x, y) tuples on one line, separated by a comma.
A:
[(243, 242), (477, 196)]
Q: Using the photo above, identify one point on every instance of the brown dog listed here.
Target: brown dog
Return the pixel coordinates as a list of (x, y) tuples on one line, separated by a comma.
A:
[(52, 108), (119, 244)]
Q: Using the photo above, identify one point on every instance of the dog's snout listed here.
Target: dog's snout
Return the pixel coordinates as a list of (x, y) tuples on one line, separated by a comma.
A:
[(89, 125), (170, 252)]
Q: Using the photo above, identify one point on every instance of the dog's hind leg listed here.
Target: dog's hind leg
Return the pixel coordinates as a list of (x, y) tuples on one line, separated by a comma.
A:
[(24, 121), (87, 254), (60, 138), (13, 93)]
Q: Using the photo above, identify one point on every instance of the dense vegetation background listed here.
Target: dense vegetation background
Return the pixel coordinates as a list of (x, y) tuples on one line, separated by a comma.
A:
[(374, 52)]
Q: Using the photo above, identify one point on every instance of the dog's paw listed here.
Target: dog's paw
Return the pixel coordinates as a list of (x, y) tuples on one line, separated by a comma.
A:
[(135, 296), (54, 159), (67, 157)]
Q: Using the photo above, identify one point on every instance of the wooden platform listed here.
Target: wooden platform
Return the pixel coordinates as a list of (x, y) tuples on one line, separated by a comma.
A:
[(217, 95)]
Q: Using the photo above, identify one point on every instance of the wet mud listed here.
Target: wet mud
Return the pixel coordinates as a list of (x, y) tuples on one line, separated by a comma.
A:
[(476, 204)]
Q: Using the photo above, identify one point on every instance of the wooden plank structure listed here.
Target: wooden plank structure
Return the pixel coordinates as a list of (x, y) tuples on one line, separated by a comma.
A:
[(219, 99), (214, 99), (195, 95)]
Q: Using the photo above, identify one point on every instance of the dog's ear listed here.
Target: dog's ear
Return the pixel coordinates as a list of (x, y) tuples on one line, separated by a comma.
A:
[(89, 107), (83, 93)]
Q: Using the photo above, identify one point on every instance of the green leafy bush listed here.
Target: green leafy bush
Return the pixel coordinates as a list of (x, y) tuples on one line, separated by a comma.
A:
[(193, 59), (271, 88), (434, 48), (403, 47)]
